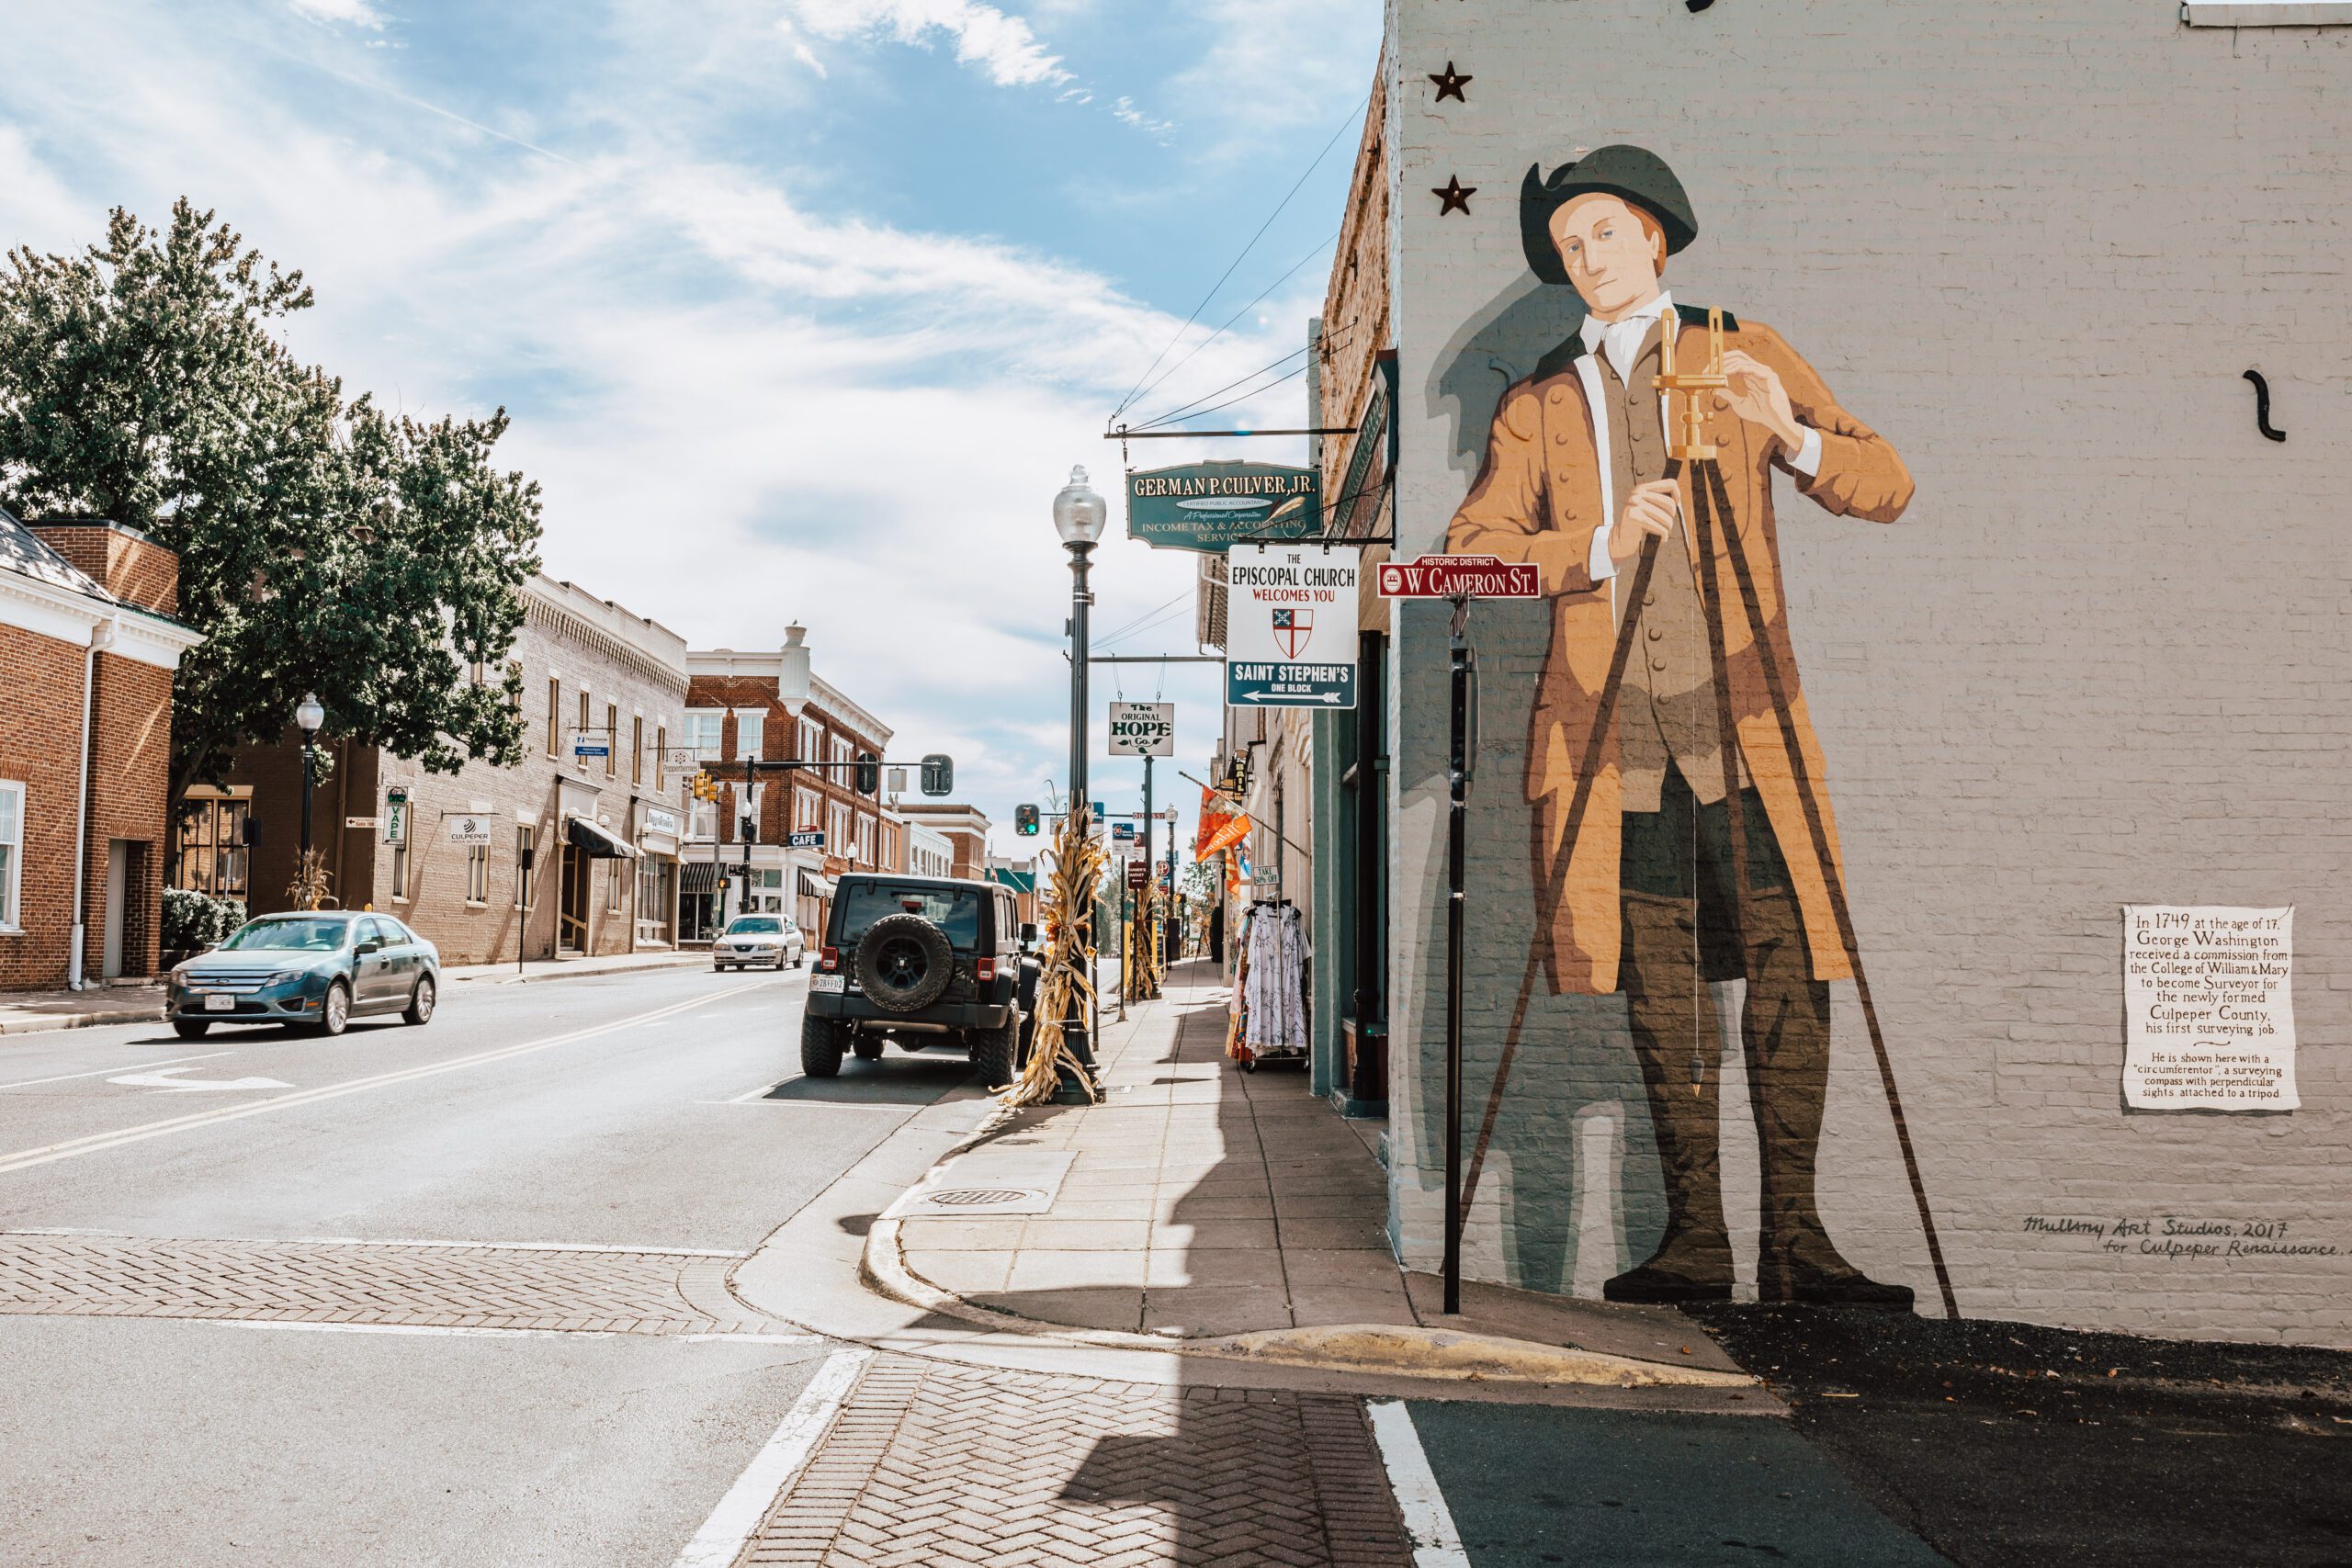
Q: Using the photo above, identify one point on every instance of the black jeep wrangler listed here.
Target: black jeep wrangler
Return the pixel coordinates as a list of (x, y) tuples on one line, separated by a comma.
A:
[(923, 961)]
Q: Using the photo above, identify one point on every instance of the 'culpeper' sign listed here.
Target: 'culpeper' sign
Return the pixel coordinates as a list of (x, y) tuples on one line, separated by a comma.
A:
[(1458, 577)]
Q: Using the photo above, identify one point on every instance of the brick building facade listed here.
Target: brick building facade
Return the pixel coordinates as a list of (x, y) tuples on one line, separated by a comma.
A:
[(604, 833), (88, 650), (733, 711), (2042, 695)]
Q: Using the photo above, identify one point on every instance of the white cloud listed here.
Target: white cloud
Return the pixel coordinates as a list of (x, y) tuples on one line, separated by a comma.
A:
[(1001, 45), (350, 13), (832, 418)]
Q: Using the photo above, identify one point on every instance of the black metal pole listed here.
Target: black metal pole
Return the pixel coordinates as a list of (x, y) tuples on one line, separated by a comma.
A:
[(309, 754), (751, 778), (1457, 812), (1143, 835), (1082, 1028)]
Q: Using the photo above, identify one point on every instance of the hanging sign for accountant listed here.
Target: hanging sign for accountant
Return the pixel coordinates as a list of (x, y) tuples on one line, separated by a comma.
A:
[(1143, 729), (1290, 637), (1207, 506)]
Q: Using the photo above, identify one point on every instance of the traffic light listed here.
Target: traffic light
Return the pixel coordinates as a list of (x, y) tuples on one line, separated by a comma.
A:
[(703, 786), (1024, 819), (939, 773), (869, 774)]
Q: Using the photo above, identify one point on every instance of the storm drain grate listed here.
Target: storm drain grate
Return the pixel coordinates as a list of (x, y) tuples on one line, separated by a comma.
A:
[(978, 1197)]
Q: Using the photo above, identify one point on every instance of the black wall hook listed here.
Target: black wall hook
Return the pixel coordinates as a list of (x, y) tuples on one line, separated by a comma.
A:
[(2262, 406)]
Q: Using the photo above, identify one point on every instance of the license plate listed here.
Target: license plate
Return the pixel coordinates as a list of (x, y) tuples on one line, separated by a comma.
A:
[(220, 1004), (827, 982)]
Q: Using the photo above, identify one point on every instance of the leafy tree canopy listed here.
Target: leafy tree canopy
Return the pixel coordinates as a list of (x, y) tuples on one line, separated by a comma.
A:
[(324, 545)]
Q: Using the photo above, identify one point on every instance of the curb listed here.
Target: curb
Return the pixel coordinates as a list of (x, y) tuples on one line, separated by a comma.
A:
[(577, 970), (1389, 1349), (84, 1020)]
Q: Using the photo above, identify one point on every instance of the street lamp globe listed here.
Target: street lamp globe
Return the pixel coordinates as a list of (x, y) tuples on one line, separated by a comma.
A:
[(309, 713), (1079, 511)]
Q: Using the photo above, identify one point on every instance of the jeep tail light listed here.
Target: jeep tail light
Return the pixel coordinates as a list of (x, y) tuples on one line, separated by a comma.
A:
[(830, 961), (987, 970)]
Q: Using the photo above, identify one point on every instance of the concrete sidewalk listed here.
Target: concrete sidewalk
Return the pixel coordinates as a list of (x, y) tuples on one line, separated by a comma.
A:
[(29, 1012), (1204, 1205)]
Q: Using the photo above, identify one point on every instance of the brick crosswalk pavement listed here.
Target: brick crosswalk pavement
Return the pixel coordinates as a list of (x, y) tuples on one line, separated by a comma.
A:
[(932, 1463), (454, 1285)]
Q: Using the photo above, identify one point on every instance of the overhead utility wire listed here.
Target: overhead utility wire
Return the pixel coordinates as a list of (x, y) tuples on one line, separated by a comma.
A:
[(1254, 392), (1353, 115), (1320, 246), (1184, 410)]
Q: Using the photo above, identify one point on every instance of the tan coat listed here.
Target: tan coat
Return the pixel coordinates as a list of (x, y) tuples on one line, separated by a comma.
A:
[(1538, 499)]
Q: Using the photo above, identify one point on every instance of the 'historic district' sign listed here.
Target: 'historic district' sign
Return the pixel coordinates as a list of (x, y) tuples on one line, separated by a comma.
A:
[(1207, 506), (1290, 640), (1452, 577), (1143, 729)]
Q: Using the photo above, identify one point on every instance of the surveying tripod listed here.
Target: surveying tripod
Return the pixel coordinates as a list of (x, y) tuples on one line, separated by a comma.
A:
[(1689, 453)]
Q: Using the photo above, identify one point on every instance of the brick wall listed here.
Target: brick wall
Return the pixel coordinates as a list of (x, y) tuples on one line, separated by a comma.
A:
[(123, 561), (40, 747), (779, 742), (2099, 661)]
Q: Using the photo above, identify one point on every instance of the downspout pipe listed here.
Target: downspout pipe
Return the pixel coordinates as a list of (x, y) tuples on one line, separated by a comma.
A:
[(101, 637)]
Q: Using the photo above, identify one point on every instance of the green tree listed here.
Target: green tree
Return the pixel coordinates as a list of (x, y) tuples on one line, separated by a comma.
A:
[(324, 545)]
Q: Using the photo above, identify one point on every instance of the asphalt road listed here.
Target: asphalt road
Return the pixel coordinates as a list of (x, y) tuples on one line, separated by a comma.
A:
[(657, 1109)]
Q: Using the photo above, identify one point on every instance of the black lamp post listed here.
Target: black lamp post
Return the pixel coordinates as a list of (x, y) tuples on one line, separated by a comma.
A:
[(308, 715), (1078, 515)]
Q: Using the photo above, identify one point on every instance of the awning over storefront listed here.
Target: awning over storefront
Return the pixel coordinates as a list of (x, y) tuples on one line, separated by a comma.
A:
[(599, 843), (816, 886), (698, 877)]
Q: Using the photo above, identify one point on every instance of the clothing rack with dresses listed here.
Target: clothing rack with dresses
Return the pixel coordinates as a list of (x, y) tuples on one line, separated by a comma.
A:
[(1270, 1007)]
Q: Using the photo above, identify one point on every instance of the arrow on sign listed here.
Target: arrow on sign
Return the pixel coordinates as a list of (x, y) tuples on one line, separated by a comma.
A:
[(172, 1079)]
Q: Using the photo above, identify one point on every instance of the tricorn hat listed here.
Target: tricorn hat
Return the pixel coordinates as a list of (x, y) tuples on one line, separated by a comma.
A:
[(1634, 173)]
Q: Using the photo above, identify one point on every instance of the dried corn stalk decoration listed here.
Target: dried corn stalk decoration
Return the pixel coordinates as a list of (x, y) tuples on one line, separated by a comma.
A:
[(1066, 985), (308, 888)]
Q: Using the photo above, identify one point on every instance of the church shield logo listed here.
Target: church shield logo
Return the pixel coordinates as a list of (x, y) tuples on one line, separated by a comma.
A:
[(1292, 629)]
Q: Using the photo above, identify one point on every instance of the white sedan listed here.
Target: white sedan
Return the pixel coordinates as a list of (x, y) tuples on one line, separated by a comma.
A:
[(769, 940)]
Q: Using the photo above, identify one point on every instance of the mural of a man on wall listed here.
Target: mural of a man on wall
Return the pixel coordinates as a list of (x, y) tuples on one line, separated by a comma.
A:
[(1574, 480)]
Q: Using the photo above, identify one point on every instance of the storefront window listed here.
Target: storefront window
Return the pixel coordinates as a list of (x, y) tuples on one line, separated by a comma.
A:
[(212, 854)]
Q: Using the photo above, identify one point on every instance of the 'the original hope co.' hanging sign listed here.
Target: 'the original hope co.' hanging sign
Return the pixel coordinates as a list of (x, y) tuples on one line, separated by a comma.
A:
[(1291, 627), (1207, 506)]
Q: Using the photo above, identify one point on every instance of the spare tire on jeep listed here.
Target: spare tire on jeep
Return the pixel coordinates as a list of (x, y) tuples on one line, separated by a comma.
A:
[(904, 963)]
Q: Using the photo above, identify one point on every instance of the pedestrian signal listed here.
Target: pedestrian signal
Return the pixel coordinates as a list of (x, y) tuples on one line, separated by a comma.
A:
[(1024, 819)]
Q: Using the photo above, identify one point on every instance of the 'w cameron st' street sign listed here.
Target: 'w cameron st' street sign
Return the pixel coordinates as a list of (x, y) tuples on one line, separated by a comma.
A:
[(1457, 577)]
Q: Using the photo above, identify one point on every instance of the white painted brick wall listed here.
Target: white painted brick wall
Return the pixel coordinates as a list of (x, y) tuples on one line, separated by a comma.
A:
[(2102, 659)]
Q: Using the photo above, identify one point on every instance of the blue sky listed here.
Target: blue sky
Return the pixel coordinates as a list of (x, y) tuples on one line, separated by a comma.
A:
[(803, 307)]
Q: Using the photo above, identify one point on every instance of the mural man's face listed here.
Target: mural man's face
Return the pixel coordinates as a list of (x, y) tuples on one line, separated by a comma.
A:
[(1612, 257)]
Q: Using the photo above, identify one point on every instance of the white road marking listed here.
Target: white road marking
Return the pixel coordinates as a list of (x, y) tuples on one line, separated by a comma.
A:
[(101, 1072), (95, 1142), (450, 1329), (1436, 1543), (731, 1524), (172, 1080)]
